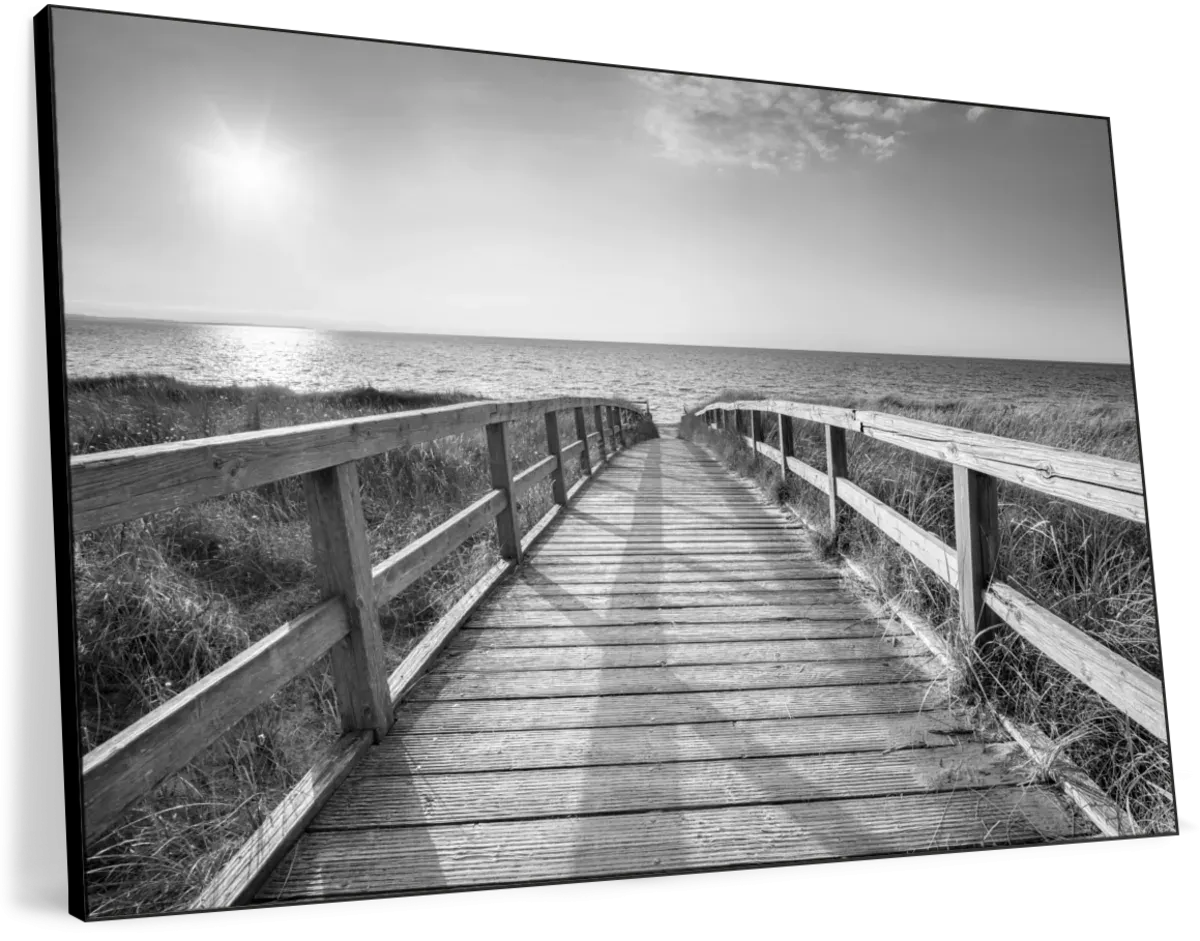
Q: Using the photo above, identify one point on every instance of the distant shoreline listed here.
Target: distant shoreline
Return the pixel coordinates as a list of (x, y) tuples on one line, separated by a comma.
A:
[(169, 322)]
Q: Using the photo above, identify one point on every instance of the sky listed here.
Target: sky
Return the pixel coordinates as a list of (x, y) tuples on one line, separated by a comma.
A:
[(222, 174)]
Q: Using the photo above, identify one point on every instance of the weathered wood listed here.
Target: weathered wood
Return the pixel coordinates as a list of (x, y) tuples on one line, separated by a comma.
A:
[(846, 630), (820, 414), (702, 564), (608, 568), (250, 866), (136, 759), (669, 708), (839, 610), (1127, 686), (622, 681), (554, 446), (787, 444), (534, 474), (391, 861), (835, 461), (977, 541), (508, 527), (646, 744), (1098, 482), (418, 660), (1108, 818), (581, 433), (114, 486), (343, 563), (922, 545), (672, 782), (602, 457), (681, 601), (402, 569), (569, 451), (471, 654), (1102, 483), (756, 430), (567, 588)]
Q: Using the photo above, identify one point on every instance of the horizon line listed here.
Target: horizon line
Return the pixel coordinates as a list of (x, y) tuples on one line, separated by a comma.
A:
[(479, 336)]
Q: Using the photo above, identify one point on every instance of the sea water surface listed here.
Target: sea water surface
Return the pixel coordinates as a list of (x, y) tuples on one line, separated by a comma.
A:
[(671, 378)]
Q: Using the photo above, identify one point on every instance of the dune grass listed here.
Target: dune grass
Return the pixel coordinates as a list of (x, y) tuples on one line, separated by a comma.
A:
[(1088, 567), (165, 599)]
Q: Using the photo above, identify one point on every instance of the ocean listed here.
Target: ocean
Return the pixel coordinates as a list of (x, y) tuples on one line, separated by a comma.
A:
[(671, 378)]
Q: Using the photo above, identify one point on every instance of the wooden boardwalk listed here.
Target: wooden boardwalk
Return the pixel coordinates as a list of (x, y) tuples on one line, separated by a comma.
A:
[(671, 682)]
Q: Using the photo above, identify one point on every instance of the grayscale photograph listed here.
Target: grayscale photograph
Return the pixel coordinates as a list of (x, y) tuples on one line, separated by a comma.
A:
[(481, 471)]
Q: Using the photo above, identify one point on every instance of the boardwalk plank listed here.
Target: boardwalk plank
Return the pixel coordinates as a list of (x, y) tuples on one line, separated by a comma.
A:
[(620, 681), (392, 861), (574, 712), (369, 801), (641, 744), (672, 681), (474, 657)]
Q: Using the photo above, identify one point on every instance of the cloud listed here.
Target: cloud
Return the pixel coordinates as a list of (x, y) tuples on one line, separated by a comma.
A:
[(974, 114), (725, 123)]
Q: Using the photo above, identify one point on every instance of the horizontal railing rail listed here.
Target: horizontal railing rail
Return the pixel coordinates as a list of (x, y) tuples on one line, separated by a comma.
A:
[(117, 486), (979, 460)]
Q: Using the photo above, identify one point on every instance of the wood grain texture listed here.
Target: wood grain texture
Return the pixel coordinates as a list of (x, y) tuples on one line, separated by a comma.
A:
[(554, 448), (922, 545), (1087, 479), (1101, 483), (115, 486), (820, 414), (391, 861), (402, 569), (832, 629), (136, 759), (472, 655), (242, 876), (508, 527), (977, 541), (427, 799), (343, 563), (417, 754), (602, 456), (581, 435), (1127, 686), (534, 474), (718, 614), (787, 443), (668, 648), (436, 717)]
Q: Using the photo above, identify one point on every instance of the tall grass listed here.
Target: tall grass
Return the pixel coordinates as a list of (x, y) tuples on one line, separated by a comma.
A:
[(1088, 567), (165, 599)]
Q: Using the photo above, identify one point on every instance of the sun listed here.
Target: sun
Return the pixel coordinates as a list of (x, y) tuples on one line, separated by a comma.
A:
[(245, 175)]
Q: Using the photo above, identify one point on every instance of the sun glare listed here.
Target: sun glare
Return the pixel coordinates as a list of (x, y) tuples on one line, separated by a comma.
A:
[(245, 174)]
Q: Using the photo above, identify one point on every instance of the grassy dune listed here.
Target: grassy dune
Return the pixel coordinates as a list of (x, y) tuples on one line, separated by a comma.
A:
[(1088, 567), (163, 600)]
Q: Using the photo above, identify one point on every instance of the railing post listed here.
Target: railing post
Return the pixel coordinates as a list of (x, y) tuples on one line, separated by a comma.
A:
[(620, 413), (508, 528), (977, 540), (756, 429), (554, 446), (787, 444), (343, 561), (835, 467), (603, 456), (585, 459)]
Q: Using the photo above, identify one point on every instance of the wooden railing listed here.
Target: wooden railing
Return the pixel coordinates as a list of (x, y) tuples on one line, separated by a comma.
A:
[(116, 486), (979, 460)]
